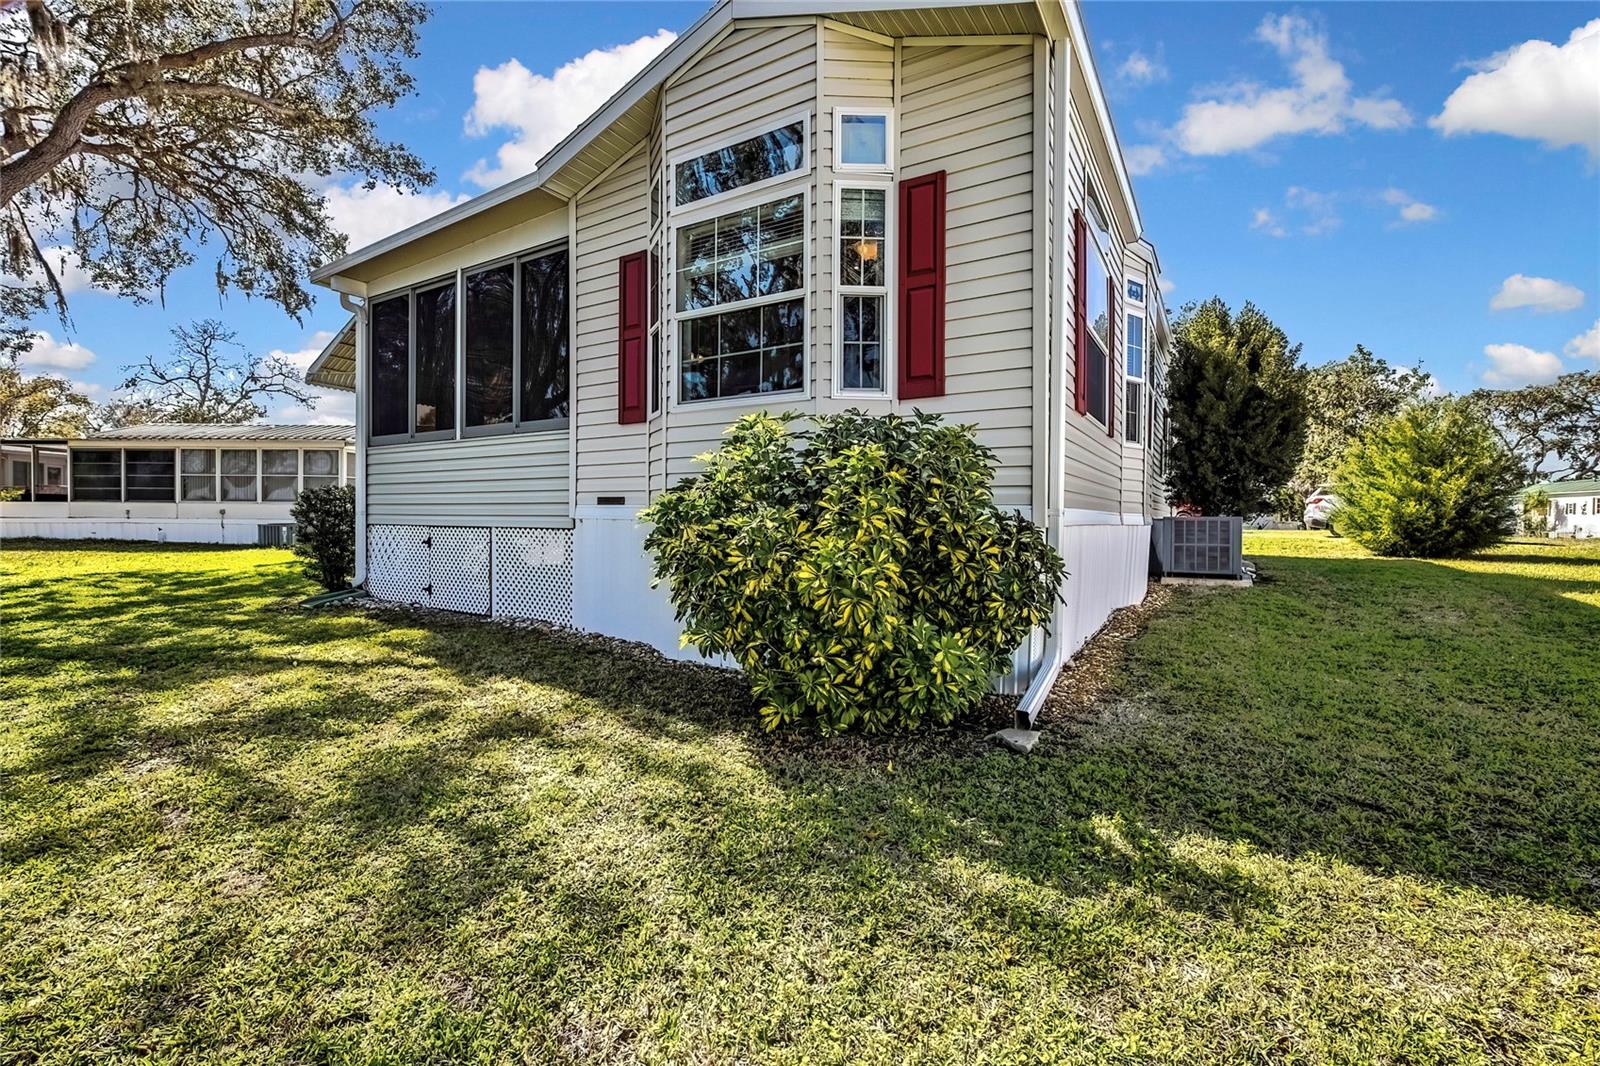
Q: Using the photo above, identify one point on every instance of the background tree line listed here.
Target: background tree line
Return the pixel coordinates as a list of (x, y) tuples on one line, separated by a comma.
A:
[(1255, 431)]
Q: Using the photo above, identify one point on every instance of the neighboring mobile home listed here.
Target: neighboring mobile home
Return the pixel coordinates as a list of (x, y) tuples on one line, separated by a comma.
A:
[(800, 205), (1574, 507), (206, 484)]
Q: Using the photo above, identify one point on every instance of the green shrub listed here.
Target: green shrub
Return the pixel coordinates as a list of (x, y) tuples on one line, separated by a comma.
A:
[(1433, 481), (859, 572), (325, 534)]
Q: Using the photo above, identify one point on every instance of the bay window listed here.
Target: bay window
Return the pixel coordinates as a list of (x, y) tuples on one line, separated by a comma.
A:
[(741, 302), (1133, 405), (862, 138), (1097, 292), (513, 320), (863, 293), (762, 158)]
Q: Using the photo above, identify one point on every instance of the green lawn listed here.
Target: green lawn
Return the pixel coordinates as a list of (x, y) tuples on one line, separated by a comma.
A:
[(1350, 815)]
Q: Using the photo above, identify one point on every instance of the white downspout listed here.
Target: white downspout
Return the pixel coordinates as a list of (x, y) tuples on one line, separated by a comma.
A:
[(358, 308), (1050, 667)]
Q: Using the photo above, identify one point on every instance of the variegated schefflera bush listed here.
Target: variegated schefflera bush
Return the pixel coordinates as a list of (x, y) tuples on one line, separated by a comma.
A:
[(858, 570)]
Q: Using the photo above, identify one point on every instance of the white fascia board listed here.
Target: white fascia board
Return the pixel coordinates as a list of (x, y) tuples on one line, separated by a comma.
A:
[(647, 79)]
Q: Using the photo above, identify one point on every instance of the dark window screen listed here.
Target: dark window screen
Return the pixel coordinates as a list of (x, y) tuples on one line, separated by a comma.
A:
[(436, 359), (151, 474), (391, 325), (544, 338), (489, 312)]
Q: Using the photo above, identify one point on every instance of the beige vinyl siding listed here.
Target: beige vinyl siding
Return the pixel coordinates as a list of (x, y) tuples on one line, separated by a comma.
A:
[(613, 220), (507, 480), (968, 110), (1093, 464), (754, 78)]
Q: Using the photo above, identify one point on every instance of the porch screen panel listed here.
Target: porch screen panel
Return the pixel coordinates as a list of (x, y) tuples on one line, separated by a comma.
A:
[(199, 478), (238, 474), (391, 344), (97, 474), (545, 336), (321, 467), (280, 470), (436, 360)]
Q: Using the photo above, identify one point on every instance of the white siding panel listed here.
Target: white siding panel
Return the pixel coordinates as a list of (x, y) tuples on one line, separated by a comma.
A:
[(613, 220), (512, 479)]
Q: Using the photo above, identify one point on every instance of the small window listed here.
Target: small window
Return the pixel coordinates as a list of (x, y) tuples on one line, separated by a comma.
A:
[(863, 138), (1136, 291), (1133, 398), (239, 474), (96, 474), (320, 468), (736, 166), (151, 474), (280, 474), (863, 290), (199, 480), (349, 468)]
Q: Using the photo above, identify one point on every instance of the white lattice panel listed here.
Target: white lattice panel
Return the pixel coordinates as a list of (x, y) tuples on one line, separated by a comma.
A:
[(397, 563), (533, 574), (461, 568)]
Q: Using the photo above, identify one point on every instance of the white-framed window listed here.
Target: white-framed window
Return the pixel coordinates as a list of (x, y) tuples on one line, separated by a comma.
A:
[(747, 162), (863, 320), (280, 475), (863, 140), (740, 296), (238, 474), (1097, 293), (1133, 378), (318, 467), (199, 474)]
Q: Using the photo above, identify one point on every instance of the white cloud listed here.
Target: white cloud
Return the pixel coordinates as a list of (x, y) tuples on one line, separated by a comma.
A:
[(1586, 345), (90, 389), (1517, 364), (541, 109), (1245, 115), (1306, 211), (1144, 158), (366, 215), (1536, 294), (334, 406), (1166, 285), (47, 353), (1411, 210), (71, 275), (1140, 69), (1538, 90)]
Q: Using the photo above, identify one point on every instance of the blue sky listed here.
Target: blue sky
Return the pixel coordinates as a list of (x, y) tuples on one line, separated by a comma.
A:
[(1300, 156)]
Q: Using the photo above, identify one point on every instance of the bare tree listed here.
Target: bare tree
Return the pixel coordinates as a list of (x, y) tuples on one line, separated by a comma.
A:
[(207, 378), (133, 131)]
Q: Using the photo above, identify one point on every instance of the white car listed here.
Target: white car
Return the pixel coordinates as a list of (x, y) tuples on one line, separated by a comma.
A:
[(1320, 506)]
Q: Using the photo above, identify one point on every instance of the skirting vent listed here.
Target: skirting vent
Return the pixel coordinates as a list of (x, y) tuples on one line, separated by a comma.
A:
[(510, 572)]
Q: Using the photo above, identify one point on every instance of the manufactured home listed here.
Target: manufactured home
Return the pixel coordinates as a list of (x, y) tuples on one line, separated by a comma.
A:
[(1574, 507), (181, 483), (801, 205)]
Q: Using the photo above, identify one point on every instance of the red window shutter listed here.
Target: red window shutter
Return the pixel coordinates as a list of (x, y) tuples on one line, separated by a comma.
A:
[(633, 287), (921, 347), (1080, 312), (1113, 379)]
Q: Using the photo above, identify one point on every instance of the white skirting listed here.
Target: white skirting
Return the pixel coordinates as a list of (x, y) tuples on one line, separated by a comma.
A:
[(596, 577), (177, 530)]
